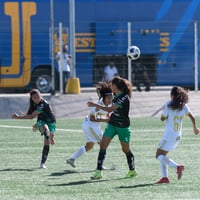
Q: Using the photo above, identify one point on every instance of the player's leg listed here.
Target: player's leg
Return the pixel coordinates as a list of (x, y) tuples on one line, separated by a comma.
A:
[(89, 146), (83, 149), (52, 130), (160, 155), (102, 153), (79, 152), (101, 157), (109, 133), (164, 147), (166, 161), (90, 141), (124, 137), (44, 131)]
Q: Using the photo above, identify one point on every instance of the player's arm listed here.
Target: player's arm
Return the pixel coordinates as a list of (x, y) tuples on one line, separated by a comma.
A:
[(94, 119), (195, 129), (165, 112), (31, 116), (105, 108)]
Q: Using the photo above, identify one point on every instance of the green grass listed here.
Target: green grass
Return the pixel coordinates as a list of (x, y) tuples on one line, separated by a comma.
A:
[(20, 152)]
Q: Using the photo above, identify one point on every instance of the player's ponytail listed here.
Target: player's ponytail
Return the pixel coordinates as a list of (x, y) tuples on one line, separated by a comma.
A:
[(179, 98), (31, 103), (123, 85)]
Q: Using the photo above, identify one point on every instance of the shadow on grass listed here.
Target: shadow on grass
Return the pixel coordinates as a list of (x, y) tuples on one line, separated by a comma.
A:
[(83, 182), (78, 183), (138, 186), (77, 172), (18, 170), (69, 172)]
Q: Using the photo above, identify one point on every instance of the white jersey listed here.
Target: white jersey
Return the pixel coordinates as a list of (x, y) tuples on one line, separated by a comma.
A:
[(110, 72), (173, 127), (91, 129), (174, 120), (63, 61)]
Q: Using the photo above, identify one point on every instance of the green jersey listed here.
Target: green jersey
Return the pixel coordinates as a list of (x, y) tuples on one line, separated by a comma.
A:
[(120, 117), (46, 113)]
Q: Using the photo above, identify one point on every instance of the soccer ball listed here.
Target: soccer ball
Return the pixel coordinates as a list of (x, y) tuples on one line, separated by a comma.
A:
[(133, 52)]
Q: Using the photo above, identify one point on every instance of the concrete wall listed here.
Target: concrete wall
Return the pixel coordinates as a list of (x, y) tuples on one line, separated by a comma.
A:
[(75, 106)]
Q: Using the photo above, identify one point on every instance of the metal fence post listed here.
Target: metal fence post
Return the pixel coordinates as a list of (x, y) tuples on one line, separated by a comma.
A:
[(196, 81), (61, 58), (72, 35), (52, 46), (129, 44)]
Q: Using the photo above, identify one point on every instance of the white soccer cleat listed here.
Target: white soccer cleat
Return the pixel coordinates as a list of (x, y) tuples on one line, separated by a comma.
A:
[(43, 166), (70, 162)]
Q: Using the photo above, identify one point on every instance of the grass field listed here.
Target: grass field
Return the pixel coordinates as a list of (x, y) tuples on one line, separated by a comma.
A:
[(20, 177)]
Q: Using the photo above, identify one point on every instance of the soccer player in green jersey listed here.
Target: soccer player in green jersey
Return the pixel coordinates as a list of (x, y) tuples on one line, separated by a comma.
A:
[(46, 122), (119, 124)]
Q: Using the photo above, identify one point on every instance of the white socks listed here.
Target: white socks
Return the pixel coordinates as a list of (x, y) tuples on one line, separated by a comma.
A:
[(172, 163), (164, 162), (164, 170), (163, 166), (78, 153)]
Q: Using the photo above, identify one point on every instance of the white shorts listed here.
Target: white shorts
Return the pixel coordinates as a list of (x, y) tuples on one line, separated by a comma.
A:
[(92, 134), (167, 144)]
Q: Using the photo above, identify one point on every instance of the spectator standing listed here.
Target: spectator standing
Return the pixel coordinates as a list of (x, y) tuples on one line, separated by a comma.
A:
[(64, 61), (109, 72)]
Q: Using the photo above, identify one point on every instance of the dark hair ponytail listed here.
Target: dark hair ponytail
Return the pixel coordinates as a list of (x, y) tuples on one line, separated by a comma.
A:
[(123, 85), (31, 103), (179, 98)]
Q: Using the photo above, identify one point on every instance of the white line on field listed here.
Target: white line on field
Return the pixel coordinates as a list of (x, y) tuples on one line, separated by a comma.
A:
[(27, 127), (76, 130)]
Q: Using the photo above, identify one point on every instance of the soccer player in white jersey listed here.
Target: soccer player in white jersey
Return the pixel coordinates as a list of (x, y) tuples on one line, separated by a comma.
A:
[(173, 114), (92, 124)]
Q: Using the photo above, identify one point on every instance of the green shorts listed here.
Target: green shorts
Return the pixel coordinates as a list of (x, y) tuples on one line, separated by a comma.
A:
[(123, 133), (51, 126)]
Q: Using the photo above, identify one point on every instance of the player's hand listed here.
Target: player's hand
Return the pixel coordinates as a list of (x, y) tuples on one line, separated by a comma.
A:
[(52, 139), (34, 128), (15, 116), (196, 131)]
